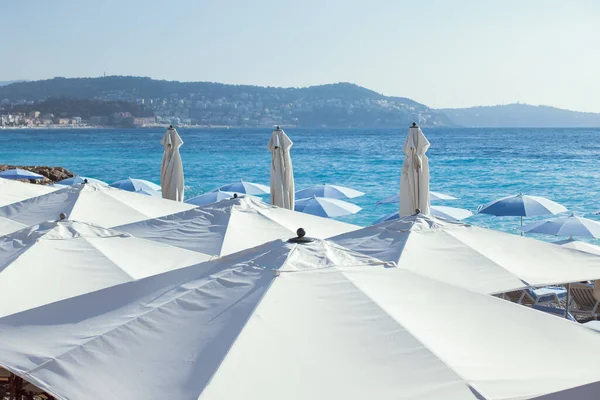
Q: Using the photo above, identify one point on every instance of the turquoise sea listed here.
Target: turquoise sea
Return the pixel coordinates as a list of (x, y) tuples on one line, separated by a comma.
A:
[(477, 165)]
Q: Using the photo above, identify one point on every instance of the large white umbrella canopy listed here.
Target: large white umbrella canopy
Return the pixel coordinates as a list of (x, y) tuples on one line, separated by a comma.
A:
[(52, 261), (282, 173), (171, 170), (580, 246), (414, 181), (296, 321), (97, 204), (475, 258), (232, 225), (571, 225), (14, 191), (449, 213), (328, 191), (437, 196), (325, 207)]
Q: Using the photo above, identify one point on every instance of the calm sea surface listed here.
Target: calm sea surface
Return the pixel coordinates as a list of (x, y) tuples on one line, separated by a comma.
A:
[(477, 165)]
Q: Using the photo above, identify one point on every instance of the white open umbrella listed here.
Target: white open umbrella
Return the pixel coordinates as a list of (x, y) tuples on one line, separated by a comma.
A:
[(433, 196), (324, 207), (80, 179), (296, 322), (171, 171), (52, 261), (14, 191), (479, 259), (232, 225), (18, 173), (449, 213), (328, 191), (210, 198), (93, 203), (282, 173), (135, 185), (414, 181)]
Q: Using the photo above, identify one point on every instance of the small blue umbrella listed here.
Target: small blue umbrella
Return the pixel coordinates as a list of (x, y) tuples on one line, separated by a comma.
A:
[(328, 191), (565, 226), (19, 173), (324, 207), (210, 197), (449, 213), (245, 188), (80, 179), (134, 185)]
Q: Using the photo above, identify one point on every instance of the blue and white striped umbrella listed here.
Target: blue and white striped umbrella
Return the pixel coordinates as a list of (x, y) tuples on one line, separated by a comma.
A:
[(448, 213), (433, 196), (19, 173), (565, 226), (521, 206), (245, 188), (135, 185), (328, 191), (80, 179), (324, 207), (213, 197)]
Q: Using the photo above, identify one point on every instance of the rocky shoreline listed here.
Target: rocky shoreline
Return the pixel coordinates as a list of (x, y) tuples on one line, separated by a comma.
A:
[(51, 174)]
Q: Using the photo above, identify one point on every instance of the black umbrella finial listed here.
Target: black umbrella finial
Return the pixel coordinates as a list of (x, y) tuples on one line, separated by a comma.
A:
[(85, 181), (417, 211), (301, 238), (414, 125), (62, 216), (170, 126)]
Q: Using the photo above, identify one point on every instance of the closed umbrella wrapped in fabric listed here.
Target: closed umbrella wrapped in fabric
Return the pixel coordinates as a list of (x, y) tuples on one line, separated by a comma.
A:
[(282, 173), (171, 171), (296, 322), (414, 181)]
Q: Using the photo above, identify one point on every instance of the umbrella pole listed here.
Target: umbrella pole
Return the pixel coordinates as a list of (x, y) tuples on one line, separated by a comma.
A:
[(567, 300), (522, 226)]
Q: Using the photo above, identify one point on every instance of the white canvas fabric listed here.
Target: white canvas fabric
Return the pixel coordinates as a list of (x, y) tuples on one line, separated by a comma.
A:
[(414, 181), (475, 258), (97, 204), (579, 245), (297, 321), (14, 191), (57, 260), (171, 170), (232, 225), (282, 172)]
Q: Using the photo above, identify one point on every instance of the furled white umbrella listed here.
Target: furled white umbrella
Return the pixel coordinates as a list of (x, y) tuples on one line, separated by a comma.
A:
[(325, 207), (328, 191), (97, 204), (479, 259), (14, 191), (80, 179), (449, 213), (135, 185), (282, 173), (56, 260), (571, 225), (171, 171), (242, 187), (232, 225), (414, 181), (296, 322), (395, 199)]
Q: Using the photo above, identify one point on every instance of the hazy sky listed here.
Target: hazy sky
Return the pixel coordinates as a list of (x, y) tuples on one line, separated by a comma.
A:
[(451, 53)]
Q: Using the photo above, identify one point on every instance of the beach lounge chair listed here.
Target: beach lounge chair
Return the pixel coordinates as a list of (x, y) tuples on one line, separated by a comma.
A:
[(559, 312), (586, 303), (544, 295)]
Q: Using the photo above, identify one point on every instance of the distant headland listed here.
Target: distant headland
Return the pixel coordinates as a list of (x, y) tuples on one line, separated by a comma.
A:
[(127, 101)]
